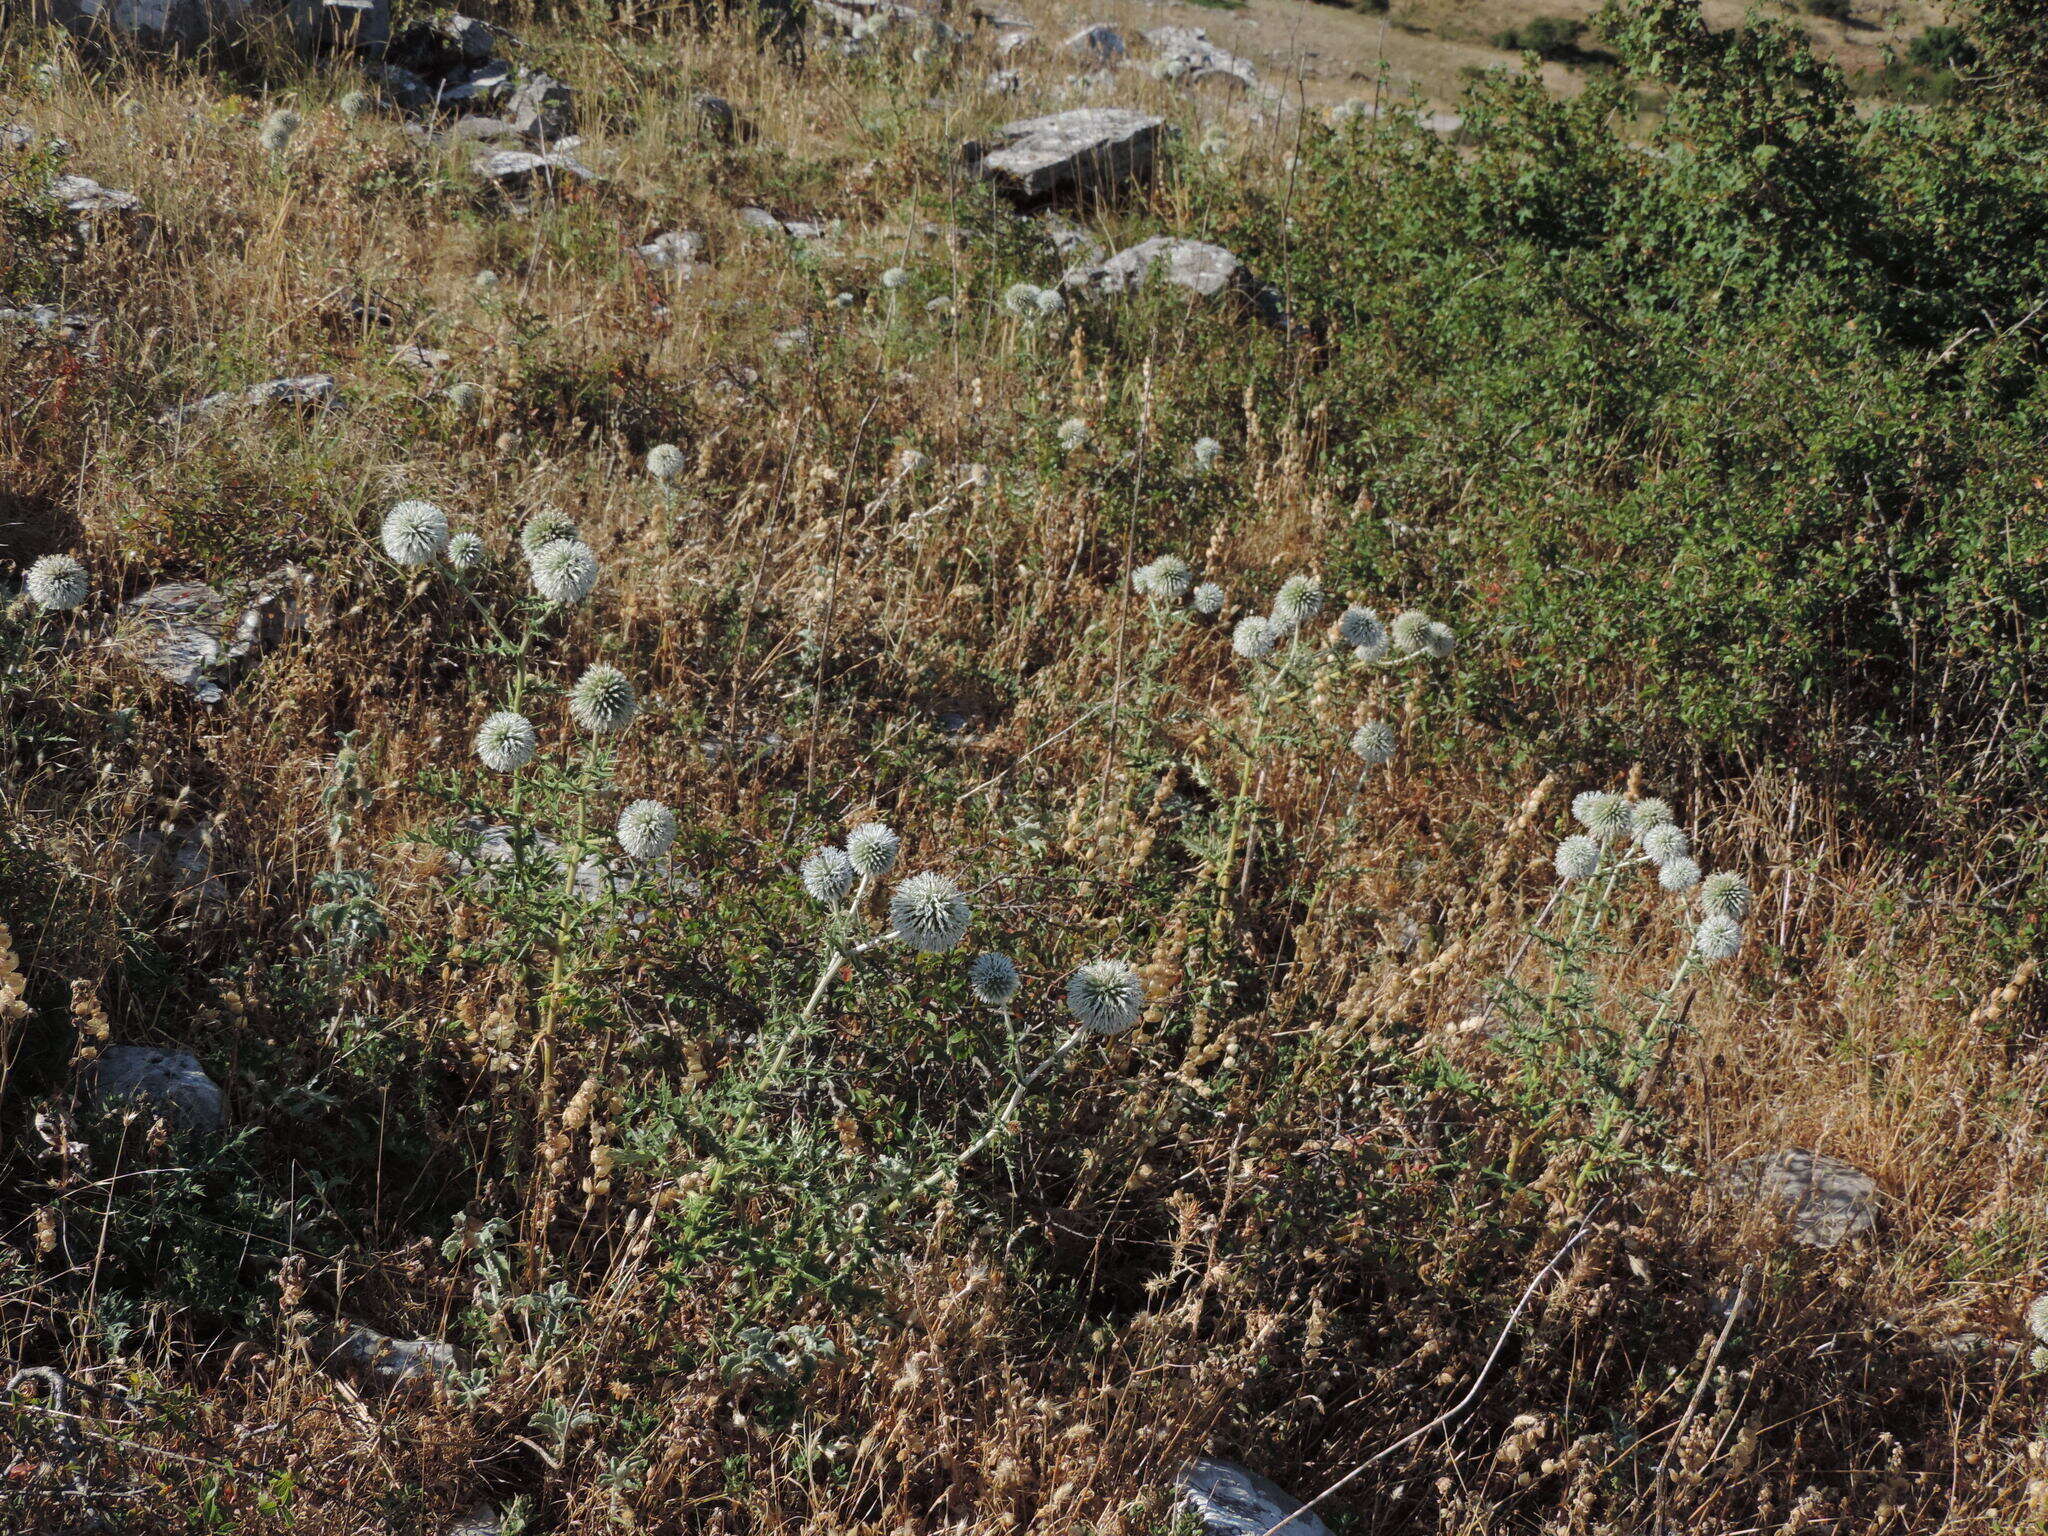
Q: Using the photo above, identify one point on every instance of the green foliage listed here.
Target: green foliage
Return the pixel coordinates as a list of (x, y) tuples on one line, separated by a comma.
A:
[(1548, 37), (1942, 48), (1729, 438)]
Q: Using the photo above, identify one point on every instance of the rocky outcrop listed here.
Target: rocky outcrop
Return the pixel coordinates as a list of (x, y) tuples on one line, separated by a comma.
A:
[(1090, 152), (170, 1084)]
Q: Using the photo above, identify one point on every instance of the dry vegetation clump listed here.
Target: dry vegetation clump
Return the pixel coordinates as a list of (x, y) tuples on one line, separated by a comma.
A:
[(1357, 1050)]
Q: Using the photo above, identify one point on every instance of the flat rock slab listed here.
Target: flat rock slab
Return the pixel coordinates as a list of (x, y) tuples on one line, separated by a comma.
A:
[(171, 1083), (1229, 1500), (1186, 54), (314, 391), (1099, 44), (389, 1362), (1207, 270), (1826, 1200), (522, 170), (193, 636), (1087, 152)]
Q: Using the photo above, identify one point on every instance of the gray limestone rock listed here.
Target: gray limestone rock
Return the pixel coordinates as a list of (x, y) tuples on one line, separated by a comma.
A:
[(170, 1083), (1825, 1200), (1229, 1500), (1086, 152)]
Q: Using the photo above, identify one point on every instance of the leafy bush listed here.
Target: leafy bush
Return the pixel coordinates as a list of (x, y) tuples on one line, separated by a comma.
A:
[(1548, 37), (1942, 48)]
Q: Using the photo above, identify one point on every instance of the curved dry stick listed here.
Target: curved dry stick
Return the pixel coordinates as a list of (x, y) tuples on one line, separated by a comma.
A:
[(1450, 1413)]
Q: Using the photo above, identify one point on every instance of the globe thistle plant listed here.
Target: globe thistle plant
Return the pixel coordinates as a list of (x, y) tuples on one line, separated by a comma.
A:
[(928, 913), (56, 583), (828, 875), (873, 848), (1647, 813), (564, 572), (1073, 433), (1106, 997), (602, 700), (545, 528), (506, 742), (1021, 300), (1050, 303), (994, 979), (355, 104), (1167, 579), (485, 281), (1208, 599), (415, 533), (1299, 599), (465, 552), (910, 462), (1600, 813), (277, 131), (1361, 629), (1726, 895), (1207, 452), (2037, 1319), (1373, 743), (895, 277), (1408, 629), (1254, 637), (466, 398), (1678, 874), (1438, 641), (1578, 858), (1718, 937), (664, 462), (647, 829)]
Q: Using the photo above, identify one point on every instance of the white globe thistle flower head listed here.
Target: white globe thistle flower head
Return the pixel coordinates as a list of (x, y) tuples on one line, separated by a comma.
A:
[(465, 397), (1726, 895), (940, 307), (994, 979), (1665, 843), (1647, 813), (1073, 433), (56, 583), (1408, 629), (1373, 743), (1718, 937), (1254, 637), (1361, 629), (1050, 303), (1600, 813), (647, 829), (356, 104), (828, 875), (465, 552), (1106, 997), (895, 277), (1678, 874), (485, 281), (873, 849), (1299, 599), (414, 533), (545, 528), (1208, 599), (1021, 300), (1578, 858), (564, 572), (603, 700), (1207, 452), (277, 131), (928, 913), (1438, 640), (910, 462), (506, 742), (665, 462), (2037, 1317), (1169, 579)]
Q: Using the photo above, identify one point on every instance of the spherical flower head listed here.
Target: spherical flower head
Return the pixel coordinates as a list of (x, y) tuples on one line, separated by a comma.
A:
[(1254, 637), (1207, 452), (647, 829), (828, 875), (1373, 743), (278, 129), (910, 462), (602, 700), (1049, 302), (928, 913), (1438, 640), (466, 398), (1073, 433), (1602, 814), (545, 528), (664, 462), (1106, 996), (1169, 579), (1663, 844), (56, 583), (1678, 874), (994, 979), (1299, 599), (1578, 858), (873, 849), (896, 277), (415, 532), (941, 307), (485, 281), (2037, 1317), (506, 742), (465, 552), (1726, 895), (1408, 629), (1646, 813), (356, 104), (1718, 937), (1021, 300), (1361, 629), (564, 572), (1208, 599)]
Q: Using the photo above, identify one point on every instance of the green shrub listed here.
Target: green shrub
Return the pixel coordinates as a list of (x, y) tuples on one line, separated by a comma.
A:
[(1942, 48)]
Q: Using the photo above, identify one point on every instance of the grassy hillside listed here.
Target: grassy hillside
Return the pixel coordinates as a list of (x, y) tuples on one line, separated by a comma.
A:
[(1676, 805)]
